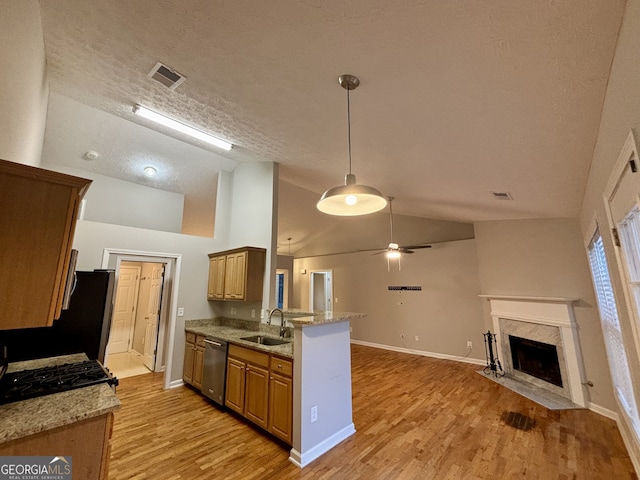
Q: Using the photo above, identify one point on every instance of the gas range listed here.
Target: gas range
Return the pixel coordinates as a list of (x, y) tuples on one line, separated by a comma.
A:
[(26, 384)]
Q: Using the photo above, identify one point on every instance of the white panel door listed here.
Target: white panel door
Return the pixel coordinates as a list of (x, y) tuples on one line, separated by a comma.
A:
[(152, 316), (124, 311)]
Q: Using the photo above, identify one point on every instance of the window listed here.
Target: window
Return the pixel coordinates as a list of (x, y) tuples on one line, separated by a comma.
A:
[(618, 363)]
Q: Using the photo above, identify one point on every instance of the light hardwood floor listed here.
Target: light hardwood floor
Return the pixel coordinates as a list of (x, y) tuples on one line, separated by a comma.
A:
[(416, 418)]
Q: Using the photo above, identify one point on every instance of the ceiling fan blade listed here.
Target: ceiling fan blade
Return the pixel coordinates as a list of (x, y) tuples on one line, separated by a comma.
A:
[(415, 247), (404, 250)]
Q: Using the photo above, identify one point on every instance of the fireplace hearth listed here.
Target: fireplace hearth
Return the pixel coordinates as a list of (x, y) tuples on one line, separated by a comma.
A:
[(537, 359)]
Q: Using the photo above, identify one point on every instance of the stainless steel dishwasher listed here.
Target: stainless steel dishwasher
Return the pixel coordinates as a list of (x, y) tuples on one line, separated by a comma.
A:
[(214, 374)]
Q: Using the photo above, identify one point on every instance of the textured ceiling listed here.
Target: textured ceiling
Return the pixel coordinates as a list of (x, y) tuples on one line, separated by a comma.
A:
[(457, 99)]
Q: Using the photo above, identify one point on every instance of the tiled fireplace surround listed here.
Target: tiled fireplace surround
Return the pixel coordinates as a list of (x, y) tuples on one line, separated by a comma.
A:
[(547, 320)]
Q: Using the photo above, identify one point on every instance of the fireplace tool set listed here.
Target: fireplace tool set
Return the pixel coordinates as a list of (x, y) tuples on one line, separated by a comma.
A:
[(493, 362)]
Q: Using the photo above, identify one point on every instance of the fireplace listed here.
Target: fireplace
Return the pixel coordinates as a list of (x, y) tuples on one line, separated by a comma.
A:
[(537, 359), (537, 341)]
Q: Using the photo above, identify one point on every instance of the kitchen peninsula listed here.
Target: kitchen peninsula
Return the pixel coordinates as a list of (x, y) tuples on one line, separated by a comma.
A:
[(321, 352)]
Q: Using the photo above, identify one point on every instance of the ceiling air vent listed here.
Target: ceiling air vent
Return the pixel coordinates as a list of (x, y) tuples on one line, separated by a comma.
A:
[(166, 76), (502, 196)]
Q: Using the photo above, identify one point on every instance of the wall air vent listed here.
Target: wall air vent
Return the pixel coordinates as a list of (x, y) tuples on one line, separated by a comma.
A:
[(166, 76), (405, 288), (502, 196)]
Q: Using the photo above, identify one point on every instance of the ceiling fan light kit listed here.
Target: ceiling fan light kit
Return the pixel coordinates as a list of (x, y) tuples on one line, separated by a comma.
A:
[(350, 199)]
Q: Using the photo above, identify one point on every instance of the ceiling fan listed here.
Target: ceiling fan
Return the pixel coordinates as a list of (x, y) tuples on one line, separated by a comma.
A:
[(394, 250)]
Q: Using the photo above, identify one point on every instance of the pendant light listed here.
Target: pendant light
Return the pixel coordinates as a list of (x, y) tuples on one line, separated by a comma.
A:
[(351, 199)]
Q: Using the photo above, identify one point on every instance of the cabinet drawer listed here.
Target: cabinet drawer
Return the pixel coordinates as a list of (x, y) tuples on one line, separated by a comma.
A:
[(200, 340), (191, 337), (249, 356), (283, 366)]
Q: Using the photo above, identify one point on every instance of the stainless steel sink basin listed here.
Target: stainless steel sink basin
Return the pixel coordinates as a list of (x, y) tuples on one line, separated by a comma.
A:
[(262, 340)]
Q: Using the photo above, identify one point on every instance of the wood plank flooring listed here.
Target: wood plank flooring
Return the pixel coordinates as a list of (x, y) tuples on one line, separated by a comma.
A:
[(416, 418)]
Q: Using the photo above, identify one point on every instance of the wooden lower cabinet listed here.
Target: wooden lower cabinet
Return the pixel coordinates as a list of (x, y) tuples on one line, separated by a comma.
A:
[(260, 388), (87, 442), (193, 360)]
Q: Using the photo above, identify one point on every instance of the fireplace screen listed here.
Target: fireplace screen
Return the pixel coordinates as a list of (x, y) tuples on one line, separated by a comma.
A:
[(537, 359)]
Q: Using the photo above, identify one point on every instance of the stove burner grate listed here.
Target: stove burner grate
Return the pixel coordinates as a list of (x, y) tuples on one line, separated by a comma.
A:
[(27, 384)]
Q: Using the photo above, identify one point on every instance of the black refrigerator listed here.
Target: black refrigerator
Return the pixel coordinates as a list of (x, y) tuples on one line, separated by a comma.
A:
[(83, 328)]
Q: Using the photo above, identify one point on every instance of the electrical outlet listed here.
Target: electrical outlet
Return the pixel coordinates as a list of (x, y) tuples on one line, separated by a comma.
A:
[(314, 413), (336, 300), (253, 313), (469, 344), (417, 338), (181, 312)]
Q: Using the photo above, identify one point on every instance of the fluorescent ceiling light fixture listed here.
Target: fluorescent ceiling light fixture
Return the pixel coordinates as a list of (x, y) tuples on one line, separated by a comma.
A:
[(350, 199), (144, 112), (150, 171)]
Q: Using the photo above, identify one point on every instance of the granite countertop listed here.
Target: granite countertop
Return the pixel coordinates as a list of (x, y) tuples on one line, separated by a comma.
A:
[(35, 415), (234, 334), (319, 318)]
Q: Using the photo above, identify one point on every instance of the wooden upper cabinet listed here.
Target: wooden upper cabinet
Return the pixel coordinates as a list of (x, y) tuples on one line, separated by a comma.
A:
[(237, 274), (216, 277), (38, 211)]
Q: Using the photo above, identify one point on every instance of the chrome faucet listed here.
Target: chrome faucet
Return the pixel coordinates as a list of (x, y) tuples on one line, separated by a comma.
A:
[(283, 329)]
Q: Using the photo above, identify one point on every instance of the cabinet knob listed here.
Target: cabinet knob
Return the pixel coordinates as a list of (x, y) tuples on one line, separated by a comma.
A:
[(279, 366)]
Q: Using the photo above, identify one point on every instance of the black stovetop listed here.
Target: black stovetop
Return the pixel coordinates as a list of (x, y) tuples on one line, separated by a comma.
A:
[(26, 384)]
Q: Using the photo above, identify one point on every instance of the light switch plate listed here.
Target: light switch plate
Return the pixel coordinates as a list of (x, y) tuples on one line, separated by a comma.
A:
[(181, 312)]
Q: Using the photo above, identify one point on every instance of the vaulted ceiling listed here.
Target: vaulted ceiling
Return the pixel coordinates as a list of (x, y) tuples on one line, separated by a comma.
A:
[(458, 99)]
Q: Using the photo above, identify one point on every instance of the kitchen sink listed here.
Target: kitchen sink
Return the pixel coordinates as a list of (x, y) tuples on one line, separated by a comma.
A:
[(268, 341)]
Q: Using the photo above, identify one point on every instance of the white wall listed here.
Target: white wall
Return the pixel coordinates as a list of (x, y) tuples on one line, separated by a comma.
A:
[(444, 315), (23, 86), (545, 258), (92, 238), (620, 113), (110, 200)]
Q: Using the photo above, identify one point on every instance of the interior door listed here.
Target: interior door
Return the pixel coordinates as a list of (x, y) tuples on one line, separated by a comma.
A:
[(152, 316), (124, 311), (321, 291)]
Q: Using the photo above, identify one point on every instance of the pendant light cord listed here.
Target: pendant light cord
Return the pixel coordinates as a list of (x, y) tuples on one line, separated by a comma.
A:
[(349, 127), (391, 216)]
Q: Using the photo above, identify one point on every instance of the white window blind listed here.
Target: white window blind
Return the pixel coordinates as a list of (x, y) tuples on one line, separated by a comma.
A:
[(618, 363)]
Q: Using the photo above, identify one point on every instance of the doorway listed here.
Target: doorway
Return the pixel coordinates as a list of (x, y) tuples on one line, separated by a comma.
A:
[(321, 290), (134, 333), (282, 290), (167, 297)]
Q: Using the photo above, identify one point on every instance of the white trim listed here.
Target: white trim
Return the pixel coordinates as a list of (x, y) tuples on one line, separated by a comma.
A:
[(630, 443), (303, 459), (605, 412), (628, 151), (520, 298), (442, 356), (176, 383), (139, 255)]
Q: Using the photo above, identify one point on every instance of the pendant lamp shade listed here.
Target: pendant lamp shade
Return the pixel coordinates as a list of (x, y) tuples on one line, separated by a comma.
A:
[(351, 199)]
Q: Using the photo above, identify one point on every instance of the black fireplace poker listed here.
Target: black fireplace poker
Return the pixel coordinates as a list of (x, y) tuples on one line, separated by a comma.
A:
[(493, 362)]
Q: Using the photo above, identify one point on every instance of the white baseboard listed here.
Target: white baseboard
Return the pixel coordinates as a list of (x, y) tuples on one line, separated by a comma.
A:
[(630, 441), (442, 356), (176, 383), (302, 459), (605, 412)]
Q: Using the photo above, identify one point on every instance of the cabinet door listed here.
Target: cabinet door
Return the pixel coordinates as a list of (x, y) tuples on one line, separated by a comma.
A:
[(216, 278), (187, 369), (234, 397), (256, 405), (280, 407), (198, 365), (37, 221), (235, 276)]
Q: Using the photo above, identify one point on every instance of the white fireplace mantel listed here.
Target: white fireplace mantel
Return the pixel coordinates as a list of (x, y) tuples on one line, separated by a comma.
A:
[(551, 311)]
